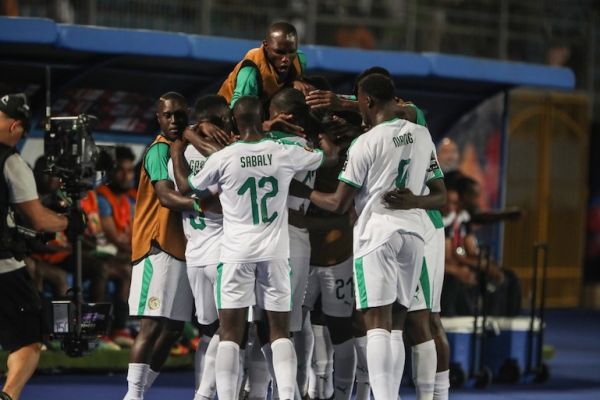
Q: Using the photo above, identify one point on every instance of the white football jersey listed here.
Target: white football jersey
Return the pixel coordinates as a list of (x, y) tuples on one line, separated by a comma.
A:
[(202, 231), (394, 154), (254, 178), (306, 177)]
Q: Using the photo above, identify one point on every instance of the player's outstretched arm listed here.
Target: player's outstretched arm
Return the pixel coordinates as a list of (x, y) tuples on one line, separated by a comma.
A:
[(338, 202), (404, 199), (172, 199)]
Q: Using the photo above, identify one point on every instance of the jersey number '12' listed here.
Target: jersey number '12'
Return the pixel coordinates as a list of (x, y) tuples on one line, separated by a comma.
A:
[(250, 185)]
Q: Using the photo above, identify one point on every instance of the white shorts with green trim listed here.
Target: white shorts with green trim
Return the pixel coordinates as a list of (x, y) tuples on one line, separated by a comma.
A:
[(389, 273), (300, 263), (160, 288), (265, 283), (431, 280), (202, 280), (334, 284)]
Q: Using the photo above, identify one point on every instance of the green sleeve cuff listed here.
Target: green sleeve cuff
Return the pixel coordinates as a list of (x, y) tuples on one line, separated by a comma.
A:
[(349, 182)]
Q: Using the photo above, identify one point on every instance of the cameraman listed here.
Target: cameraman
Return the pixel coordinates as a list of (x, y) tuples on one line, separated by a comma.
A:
[(20, 308)]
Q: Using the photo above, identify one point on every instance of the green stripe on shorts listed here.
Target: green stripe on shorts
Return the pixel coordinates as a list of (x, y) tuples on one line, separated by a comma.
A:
[(290, 276), (219, 275), (146, 278), (360, 279), (424, 280)]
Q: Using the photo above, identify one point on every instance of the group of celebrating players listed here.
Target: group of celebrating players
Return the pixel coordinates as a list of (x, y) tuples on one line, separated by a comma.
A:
[(302, 228)]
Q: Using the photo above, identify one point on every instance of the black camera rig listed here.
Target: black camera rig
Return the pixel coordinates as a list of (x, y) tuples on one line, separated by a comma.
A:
[(73, 156)]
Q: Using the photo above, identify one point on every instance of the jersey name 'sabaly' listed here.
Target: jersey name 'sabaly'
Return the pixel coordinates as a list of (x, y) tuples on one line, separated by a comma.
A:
[(256, 161), (403, 139)]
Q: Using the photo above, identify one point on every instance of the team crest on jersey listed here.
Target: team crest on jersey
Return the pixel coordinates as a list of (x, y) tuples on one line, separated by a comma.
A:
[(154, 303)]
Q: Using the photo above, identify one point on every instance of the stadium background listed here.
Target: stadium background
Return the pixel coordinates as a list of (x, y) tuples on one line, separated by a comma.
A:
[(528, 134)]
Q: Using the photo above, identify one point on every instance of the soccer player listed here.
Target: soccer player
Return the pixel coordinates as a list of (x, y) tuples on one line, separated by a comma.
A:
[(160, 291), (253, 175), (428, 296), (388, 245), (203, 230), (267, 69)]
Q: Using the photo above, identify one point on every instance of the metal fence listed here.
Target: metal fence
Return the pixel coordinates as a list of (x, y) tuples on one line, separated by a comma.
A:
[(561, 32)]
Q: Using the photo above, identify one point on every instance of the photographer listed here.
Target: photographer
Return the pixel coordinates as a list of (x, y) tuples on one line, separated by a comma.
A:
[(20, 309)]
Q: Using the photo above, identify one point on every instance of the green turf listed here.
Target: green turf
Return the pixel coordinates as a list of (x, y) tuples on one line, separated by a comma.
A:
[(98, 360)]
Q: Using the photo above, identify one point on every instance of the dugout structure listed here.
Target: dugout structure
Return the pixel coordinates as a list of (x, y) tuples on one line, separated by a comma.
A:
[(526, 147)]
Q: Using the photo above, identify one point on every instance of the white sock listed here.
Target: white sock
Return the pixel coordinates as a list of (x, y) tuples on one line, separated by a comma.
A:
[(199, 358), (258, 374), (441, 386), (303, 342), (137, 375), (152, 375), (284, 364), (268, 353), (398, 358), (424, 365), (379, 360), (242, 371), (227, 370), (363, 388), (321, 385), (208, 380), (344, 368)]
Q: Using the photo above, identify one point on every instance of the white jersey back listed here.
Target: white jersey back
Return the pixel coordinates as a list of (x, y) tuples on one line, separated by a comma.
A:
[(306, 177), (394, 154), (254, 179), (202, 231)]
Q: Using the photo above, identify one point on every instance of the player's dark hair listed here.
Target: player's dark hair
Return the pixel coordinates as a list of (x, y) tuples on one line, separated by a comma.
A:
[(205, 104), (290, 101), (123, 153), (367, 72), (451, 179), (378, 86), (173, 96), (247, 110), (465, 185), (284, 27)]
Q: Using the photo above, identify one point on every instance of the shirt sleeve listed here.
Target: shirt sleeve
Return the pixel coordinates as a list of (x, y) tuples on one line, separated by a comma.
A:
[(207, 177), (156, 162), (420, 116), (301, 59), (246, 84), (303, 158), (19, 180), (434, 171), (104, 207), (356, 166)]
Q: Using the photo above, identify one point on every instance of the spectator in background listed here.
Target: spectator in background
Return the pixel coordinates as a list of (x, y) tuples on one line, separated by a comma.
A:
[(448, 155), (116, 205), (464, 271)]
